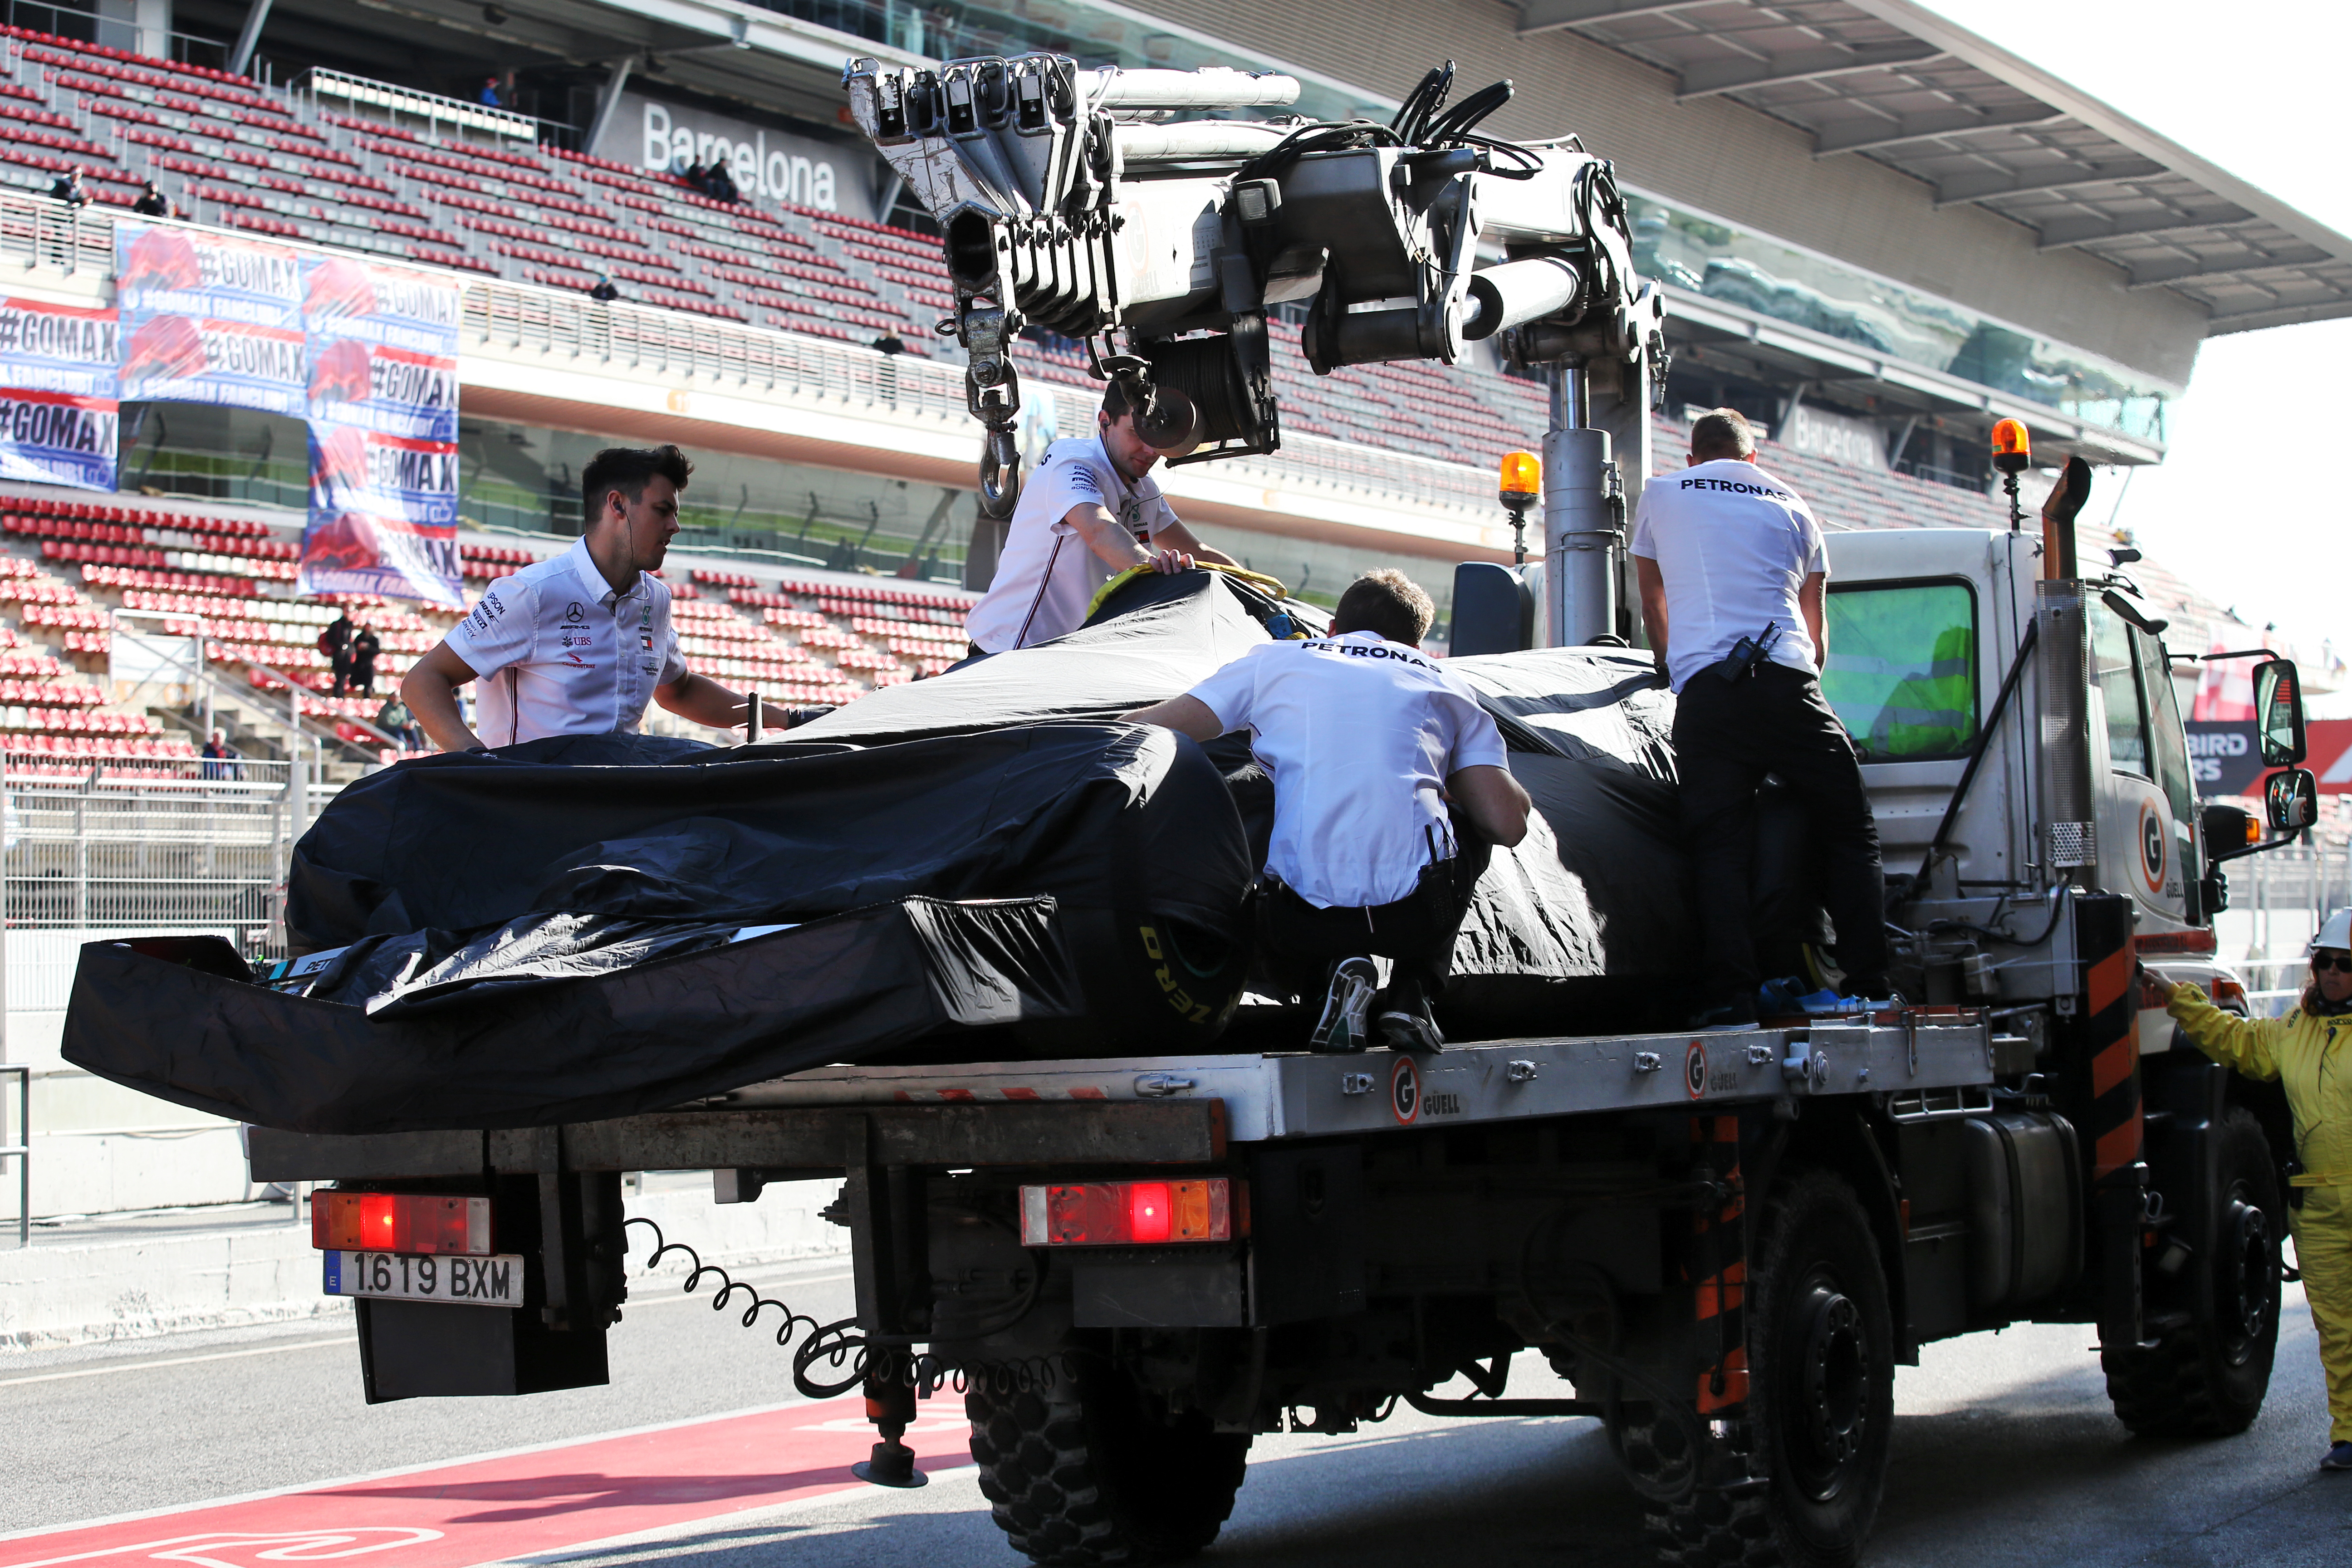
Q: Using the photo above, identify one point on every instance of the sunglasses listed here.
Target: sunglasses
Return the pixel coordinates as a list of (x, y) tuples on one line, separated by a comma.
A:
[(2340, 962)]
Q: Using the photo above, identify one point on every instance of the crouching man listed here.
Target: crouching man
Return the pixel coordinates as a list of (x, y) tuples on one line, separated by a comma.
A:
[(1368, 742)]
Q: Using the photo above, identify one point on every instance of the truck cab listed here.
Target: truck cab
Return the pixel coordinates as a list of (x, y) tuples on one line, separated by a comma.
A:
[(1933, 670)]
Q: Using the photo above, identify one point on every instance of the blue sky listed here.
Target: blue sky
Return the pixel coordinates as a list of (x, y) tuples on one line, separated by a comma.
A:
[(2250, 502)]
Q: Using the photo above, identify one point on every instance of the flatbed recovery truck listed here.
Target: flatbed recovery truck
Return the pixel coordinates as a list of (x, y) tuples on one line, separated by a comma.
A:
[(1726, 1242)]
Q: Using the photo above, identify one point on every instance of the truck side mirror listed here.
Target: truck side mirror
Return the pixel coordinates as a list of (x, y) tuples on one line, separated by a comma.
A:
[(2278, 713), (2291, 800), (1494, 610)]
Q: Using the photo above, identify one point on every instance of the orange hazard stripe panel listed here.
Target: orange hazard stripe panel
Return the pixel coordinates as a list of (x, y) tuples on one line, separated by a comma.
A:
[(2108, 979), (2111, 1067), (2117, 1147)]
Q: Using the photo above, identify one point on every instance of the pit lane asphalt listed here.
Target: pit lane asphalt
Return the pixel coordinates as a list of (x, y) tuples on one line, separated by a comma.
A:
[(2005, 1453)]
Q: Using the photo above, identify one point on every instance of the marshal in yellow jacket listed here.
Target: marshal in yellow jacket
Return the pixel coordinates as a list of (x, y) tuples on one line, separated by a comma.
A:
[(2310, 1055)]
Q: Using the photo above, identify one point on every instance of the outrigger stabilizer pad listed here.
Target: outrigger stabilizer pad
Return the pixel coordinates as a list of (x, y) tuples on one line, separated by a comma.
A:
[(890, 1405), (893, 1464)]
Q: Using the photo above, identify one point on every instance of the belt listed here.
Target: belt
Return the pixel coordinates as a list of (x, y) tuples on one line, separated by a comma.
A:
[(2320, 1179)]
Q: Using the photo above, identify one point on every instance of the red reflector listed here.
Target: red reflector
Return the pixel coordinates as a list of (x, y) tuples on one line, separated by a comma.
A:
[(2190, 940), (1130, 1214), (401, 1222)]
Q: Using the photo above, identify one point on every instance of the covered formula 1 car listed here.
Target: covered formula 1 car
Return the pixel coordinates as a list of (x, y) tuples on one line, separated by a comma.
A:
[(983, 865)]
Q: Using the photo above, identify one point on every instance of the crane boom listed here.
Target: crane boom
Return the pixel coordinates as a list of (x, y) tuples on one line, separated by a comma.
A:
[(1082, 202)]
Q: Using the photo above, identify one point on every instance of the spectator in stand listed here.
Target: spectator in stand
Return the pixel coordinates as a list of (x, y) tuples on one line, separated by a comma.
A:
[(335, 642), (605, 289), (490, 93), (395, 721), (154, 203), (698, 177), (722, 184), (68, 188), (219, 756), (365, 648)]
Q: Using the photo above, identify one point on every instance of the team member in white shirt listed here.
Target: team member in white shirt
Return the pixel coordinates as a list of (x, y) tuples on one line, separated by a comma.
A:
[(1090, 511), (1368, 741), (575, 644), (1725, 550)]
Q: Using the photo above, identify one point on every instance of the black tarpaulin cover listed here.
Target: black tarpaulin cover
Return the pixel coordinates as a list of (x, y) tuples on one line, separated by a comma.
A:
[(573, 928)]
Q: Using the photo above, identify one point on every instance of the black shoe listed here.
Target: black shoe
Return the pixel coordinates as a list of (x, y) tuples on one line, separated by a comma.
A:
[(1404, 1021), (1347, 1005)]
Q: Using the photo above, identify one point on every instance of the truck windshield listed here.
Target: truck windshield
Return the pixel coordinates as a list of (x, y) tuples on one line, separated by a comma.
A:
[(1903, 668)]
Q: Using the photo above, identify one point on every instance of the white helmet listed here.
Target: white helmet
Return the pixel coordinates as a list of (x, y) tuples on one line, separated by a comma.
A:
[(2336, 931)]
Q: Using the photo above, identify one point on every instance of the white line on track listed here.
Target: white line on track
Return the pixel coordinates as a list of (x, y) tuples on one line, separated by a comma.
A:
[(172, 1360)]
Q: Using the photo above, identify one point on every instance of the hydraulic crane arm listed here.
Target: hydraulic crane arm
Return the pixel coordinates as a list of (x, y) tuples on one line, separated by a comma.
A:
[(1076, 201)]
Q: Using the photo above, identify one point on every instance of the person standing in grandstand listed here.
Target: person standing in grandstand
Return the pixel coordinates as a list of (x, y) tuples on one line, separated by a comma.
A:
[(152, 202), (366, 648), (490, 93), (219, 756), (68, 188), (605, 290), (1090, 511), (576, 644), (1374, 748), (335, 642), (1732, 575)]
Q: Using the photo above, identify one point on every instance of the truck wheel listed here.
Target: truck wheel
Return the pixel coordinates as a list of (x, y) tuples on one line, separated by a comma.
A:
[(1095, 1470), (2208, 1379), (1820, 1400)]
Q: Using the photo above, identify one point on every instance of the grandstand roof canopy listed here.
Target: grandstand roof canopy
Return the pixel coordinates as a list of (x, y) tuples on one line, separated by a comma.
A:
[(1893, 81)]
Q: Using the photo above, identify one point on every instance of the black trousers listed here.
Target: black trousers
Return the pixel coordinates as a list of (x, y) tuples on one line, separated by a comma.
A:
[(1416, 932), (1728, 736)]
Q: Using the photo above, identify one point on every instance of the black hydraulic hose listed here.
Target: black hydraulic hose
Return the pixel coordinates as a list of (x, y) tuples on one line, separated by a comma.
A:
[(1976, 757)]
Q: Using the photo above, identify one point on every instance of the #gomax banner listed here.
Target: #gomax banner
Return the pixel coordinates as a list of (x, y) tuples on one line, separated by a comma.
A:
[(383, 407), (207, 319), (57, 410)]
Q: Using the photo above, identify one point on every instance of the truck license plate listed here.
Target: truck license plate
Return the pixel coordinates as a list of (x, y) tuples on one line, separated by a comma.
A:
[(404, 1277)]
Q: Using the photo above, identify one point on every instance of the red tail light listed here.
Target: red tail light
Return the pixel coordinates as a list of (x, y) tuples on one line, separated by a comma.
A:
[(401, 1222), (1132, 1213)]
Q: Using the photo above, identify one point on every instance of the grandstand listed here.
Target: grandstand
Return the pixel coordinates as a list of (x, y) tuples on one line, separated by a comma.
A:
[(1877, 235)]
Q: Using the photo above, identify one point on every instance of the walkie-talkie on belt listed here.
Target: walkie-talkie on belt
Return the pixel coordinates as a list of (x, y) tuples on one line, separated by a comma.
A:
[(1747, 652)]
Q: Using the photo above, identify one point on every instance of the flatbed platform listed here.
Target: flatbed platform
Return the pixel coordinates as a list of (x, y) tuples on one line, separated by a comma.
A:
[(1928, 1062)]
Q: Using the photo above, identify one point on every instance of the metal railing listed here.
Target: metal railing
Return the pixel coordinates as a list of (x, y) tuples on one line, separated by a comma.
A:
[(36, 231), (2278, 901), (432, 108)]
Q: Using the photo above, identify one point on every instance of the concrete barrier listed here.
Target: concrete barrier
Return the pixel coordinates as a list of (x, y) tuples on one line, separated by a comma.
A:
[(81, 1291)]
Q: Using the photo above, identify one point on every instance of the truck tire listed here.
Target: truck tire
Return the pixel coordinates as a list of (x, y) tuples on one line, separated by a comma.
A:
[(2208, 1379), (1821, 1401), (1094, 1471)]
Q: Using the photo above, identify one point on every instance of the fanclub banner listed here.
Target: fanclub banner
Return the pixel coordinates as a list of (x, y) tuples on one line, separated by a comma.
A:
[(58, 438), (383, 517), (382, 344), (57, 410), (207, 319)]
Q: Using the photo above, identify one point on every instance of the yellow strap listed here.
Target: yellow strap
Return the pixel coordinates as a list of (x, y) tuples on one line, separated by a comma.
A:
[(2321, 1178), (1271, 585)]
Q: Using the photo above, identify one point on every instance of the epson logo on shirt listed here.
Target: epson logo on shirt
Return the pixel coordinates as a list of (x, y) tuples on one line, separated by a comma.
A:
[(1372, 650), (1736, 486)]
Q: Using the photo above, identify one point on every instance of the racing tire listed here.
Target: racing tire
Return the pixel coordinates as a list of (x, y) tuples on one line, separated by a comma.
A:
[(1094, 1471), (1821, 1401), (2208, 1379)]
